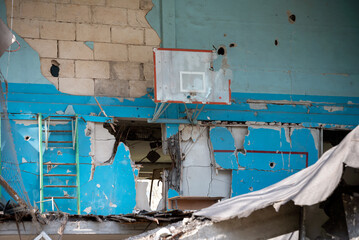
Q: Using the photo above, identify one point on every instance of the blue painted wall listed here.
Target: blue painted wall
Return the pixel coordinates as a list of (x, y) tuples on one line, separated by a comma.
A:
[(111, 191), (318, 54), (269, 155)]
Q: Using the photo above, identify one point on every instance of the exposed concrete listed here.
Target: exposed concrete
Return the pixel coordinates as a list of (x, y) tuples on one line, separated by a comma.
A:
[(199, 177)]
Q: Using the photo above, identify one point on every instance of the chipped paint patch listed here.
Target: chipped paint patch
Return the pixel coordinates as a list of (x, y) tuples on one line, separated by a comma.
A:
[(112, 205), (88, 210), (333, 108), (98, 185), (23, 160), (258, 106), (315, 134)]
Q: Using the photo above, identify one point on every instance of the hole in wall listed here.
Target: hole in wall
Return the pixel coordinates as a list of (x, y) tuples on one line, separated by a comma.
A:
[(272, 164), (54, 69), (332, 138), (144, 140), (276, 42), (27, 138), (221, 51), (232, 45), (292, 18)]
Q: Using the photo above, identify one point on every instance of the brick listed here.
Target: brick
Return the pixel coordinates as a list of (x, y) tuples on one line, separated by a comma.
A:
[(26, 28), (73, 13), (131, 4), (92, 69), (151, 37), (96, 33), (146, 4), (137, 18), (127, 35), (89, 2), (112, 88), (110, 52), (12, 8), (58, 31), (148, 71), (37, 10), (110, 15), (125, 71), (138, 88), (140, 54), (45, 48), (74, 50), (77, 86), (67, 67), (150, 84)]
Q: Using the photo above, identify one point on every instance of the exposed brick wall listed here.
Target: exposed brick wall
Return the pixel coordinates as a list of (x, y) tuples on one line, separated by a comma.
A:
[(120, 63)]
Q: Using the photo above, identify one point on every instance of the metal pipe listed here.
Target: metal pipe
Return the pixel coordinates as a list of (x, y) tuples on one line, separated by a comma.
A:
[(41, 164), (302, 230), (77, 166)]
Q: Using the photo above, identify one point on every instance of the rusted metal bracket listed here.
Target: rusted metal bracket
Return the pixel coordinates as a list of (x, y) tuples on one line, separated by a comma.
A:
[(13, 193), (104, 113)]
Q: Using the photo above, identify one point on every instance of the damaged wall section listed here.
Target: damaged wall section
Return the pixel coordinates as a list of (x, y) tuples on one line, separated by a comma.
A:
[(225, 161), (107, 189)]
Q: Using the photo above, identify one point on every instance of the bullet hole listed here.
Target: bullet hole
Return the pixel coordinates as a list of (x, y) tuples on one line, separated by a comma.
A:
[(224, 35), (54, 69), (272, 164), (232, 45), (276, 42), (250, 189), (220, 51), (291, 18), (27, 138)]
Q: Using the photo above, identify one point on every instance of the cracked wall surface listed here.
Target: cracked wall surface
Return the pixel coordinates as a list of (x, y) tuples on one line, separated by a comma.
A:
[(102, 47), (228, 161)]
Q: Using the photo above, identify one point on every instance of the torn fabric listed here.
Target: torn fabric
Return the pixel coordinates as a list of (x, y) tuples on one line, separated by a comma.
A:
[(307, 187)]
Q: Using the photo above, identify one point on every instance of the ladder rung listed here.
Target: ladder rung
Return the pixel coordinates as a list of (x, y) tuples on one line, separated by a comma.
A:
[(58, 130), (52, 163), (58, 141), (64, 197), (60, 147), (59, 175), (60, 186)]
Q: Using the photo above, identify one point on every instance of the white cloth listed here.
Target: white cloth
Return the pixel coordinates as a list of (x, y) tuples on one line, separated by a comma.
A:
[(307, 187)]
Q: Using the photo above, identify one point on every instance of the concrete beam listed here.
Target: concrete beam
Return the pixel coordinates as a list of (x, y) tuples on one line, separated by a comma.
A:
[(90, 229)]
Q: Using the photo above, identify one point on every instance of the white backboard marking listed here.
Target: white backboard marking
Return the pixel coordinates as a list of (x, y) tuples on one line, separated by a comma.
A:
[(187, 76)]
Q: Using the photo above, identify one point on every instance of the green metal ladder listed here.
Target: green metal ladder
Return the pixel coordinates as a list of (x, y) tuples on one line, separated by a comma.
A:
[(45, 131)]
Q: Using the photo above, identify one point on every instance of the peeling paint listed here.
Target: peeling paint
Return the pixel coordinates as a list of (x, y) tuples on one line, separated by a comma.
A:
[(112, 205), (88, 210), (333, 108), (258, 106), (288, 133), (315, 134)]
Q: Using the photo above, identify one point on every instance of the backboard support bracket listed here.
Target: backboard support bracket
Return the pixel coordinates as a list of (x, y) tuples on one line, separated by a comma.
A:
[(162, 107)]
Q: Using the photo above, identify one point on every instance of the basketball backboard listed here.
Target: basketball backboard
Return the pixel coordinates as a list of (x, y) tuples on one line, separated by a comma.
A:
[(187, 76)]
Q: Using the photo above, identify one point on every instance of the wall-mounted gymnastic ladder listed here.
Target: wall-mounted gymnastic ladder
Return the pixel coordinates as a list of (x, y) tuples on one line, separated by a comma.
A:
[(58, 138)]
